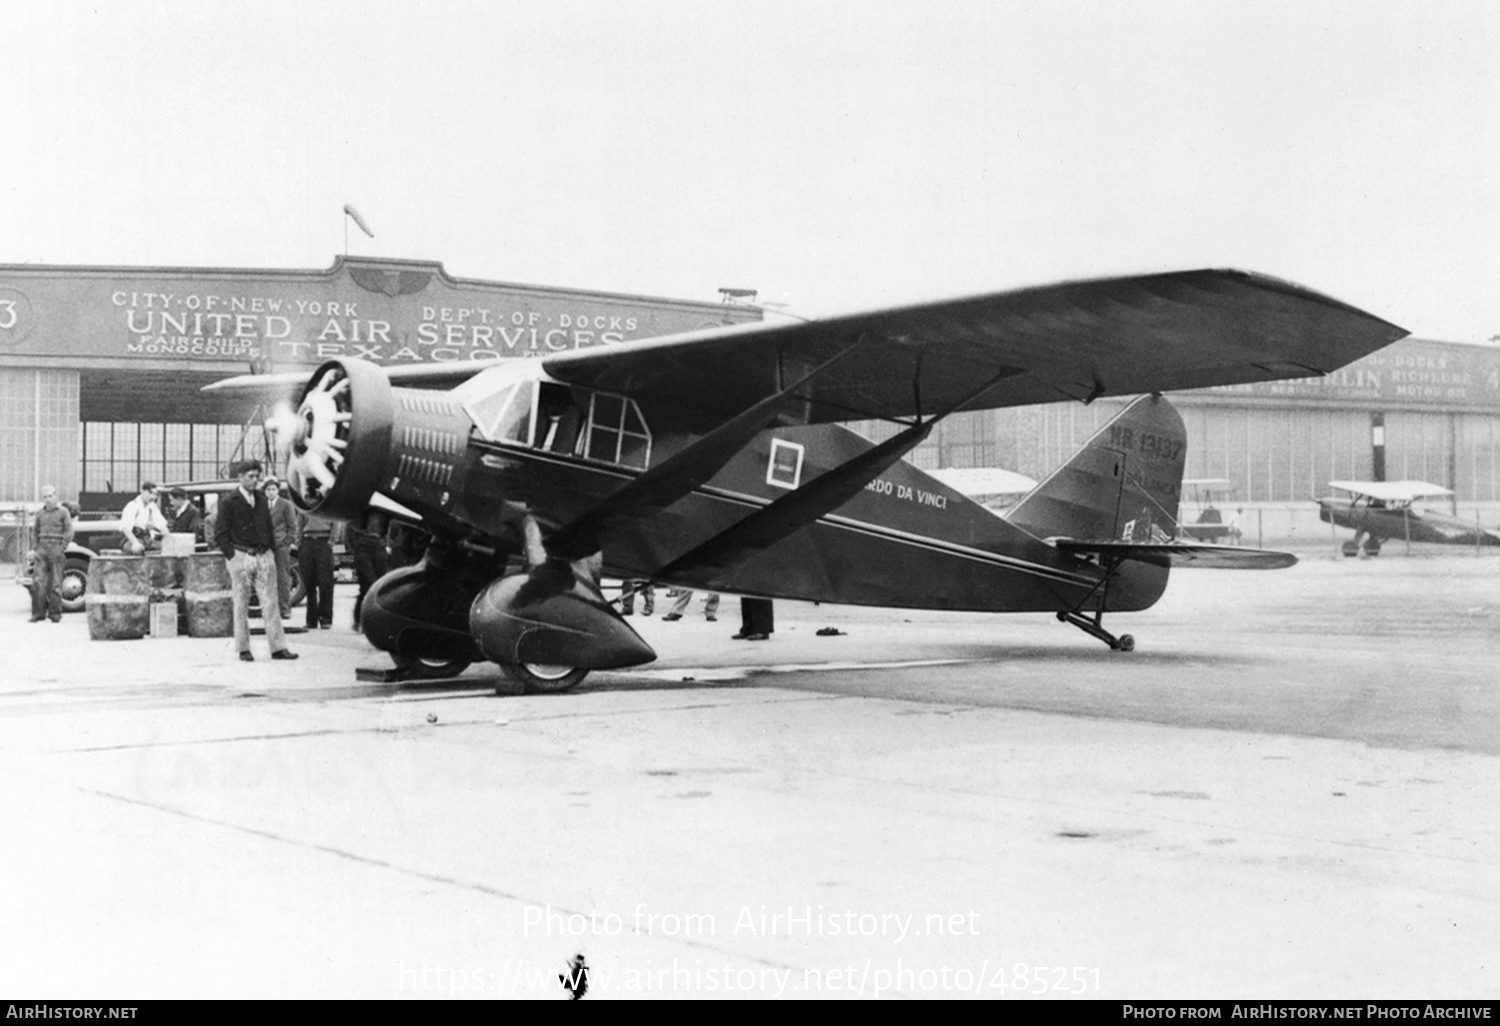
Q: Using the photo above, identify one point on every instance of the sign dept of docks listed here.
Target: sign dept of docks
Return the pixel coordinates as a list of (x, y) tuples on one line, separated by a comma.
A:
[(388, 312)]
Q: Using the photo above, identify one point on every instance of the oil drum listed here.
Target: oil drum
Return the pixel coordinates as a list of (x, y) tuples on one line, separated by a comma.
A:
[(209, 596), (118, 598)]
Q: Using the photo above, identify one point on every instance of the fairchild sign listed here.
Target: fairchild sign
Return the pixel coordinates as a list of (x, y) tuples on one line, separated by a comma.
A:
[(388, 312)]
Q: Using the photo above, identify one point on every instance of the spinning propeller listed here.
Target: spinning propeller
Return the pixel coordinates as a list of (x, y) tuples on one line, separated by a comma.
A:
[(313, 440)]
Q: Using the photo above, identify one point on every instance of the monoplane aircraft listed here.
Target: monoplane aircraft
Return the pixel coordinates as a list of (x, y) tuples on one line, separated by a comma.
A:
[(1377, 511), (715, 460)]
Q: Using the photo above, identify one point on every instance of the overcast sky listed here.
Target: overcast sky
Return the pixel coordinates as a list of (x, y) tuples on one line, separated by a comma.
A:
[(830, 154)]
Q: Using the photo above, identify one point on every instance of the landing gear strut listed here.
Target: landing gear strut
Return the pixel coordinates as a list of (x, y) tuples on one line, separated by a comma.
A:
[(1123, 643), (1093, 624)]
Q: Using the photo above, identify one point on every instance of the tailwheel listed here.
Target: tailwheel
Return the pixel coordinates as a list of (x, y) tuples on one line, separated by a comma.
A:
[(543, 678), (1094, 625), (1095, 628)]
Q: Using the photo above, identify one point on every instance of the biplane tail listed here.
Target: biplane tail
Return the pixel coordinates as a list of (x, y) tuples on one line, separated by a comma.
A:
[(1124, 485)]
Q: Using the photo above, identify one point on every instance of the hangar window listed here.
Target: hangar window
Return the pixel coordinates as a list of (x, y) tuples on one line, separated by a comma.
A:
[(116, 456)]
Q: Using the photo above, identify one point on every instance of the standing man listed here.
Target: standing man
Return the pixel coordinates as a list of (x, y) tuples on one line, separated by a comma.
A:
[(284, 530), (50, 534), (757, 620), (370, 562), (142, 522), (315, 557), (242, 531), (629, 589), (185, 518), (684, 596)]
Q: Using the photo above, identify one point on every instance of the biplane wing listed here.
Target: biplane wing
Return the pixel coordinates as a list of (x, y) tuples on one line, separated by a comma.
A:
[(1392, 491)]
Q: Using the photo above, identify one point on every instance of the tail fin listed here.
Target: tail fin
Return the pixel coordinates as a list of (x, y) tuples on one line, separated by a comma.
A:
[(1123, 485)]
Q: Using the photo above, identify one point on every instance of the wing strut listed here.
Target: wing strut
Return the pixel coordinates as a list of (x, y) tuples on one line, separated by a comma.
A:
[(794, 511), (797, 509), (677, 476)]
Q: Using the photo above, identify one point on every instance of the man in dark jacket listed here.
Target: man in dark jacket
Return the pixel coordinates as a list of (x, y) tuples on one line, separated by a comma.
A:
[(184, 517), (242, 531), (284, 530), (315, 556), (370, 562)]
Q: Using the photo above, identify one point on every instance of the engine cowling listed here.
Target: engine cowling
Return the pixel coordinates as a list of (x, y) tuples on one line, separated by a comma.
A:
[(340, 441)]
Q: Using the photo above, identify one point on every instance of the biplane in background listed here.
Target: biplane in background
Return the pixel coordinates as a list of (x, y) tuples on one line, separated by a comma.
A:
[(714, 460), (1207, 523), (1378, 511)]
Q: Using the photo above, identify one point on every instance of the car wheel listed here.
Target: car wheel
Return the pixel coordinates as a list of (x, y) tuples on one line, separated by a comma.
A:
[(75, 582), (424, 668), (544, 679), (295, 584)]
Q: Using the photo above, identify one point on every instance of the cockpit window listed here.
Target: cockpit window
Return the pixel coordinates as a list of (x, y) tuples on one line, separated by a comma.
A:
[(499, 402), (559, 422), (617, 432), (554, 417), (504, 415)]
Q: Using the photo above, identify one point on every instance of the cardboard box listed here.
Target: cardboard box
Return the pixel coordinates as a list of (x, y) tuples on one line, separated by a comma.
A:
[(178, 545), (164, 619)]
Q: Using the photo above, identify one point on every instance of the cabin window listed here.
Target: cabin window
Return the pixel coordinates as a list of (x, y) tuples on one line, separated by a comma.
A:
[(617, 432), (559, 421), (554, 417), (503, 415)]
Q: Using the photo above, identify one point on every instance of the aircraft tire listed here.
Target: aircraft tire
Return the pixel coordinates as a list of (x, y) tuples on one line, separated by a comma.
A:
[(1350, 549), (543, 679), (430, 669), (1126, 643)]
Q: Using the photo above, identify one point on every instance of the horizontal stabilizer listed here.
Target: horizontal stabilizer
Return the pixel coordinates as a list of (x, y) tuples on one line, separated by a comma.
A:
[(1215, 557)]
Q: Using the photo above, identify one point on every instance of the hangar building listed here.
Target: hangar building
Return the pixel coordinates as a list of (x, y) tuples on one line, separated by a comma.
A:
[(1418, 410), (101, 370), (101, 367)]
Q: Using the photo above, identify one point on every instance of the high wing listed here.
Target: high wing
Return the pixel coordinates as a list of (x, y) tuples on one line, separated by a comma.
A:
[(1392, 491), (415, 374), (1080, 340), (1214, 557)]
